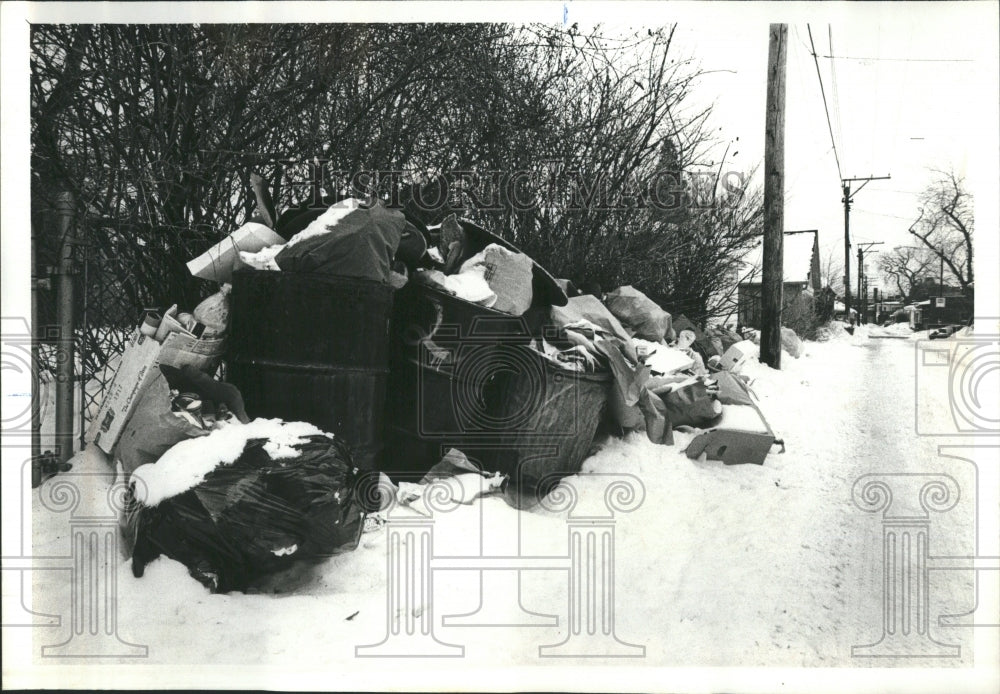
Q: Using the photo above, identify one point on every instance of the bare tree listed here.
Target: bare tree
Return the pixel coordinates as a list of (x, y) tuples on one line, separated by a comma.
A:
[(156, 128), (149, 127), (700, 249), (946, 223), (831, 271), (905, 267)]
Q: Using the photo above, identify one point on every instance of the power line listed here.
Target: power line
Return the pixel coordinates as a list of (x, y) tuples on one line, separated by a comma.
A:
[(883, 214), (799, 37), (848, 196), (900, 60), (901, 192), (825, 107), (836, 92)]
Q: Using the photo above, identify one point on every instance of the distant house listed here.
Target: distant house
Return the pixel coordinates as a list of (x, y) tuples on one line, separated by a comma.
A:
[(802, 276), (930, 286)]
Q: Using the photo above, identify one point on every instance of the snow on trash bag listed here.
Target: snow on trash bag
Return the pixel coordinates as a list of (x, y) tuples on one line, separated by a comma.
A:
[(348, 240), (244, 502), (152, 429)]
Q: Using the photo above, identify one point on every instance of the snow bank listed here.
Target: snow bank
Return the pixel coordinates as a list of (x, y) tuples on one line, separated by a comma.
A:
[(894, 329), (836, 331), (188, 463)]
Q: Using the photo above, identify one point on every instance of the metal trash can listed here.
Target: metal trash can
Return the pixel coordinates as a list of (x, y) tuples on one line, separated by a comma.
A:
[(463, 376), (444, 354), (548, 415), (314, 348)]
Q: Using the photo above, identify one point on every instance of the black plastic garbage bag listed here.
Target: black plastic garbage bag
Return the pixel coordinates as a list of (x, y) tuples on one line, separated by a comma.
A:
[(255, 516), (361, 244)]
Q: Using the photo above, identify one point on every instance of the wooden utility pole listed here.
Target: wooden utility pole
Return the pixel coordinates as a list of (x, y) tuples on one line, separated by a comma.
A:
[(847, 251), (772, 281), (848, 195), (861, 272), (863, 280)]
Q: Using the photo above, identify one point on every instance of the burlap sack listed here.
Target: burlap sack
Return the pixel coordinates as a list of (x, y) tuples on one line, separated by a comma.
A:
[(509, 276)]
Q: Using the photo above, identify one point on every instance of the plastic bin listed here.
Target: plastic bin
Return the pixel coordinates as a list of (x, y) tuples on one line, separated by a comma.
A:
[(423, 315), (447, 355), (444, 353)]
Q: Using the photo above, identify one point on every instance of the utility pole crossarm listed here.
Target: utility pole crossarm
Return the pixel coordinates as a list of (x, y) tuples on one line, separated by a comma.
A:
[(866, 182), (848, 197)]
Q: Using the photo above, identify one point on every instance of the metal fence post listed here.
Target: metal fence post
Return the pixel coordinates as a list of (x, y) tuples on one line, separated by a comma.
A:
[(66, 230)]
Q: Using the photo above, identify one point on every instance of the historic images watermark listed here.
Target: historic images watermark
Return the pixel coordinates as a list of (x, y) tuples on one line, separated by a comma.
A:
[(483, 391), (87, 626), (962, 375), (93, 560), (25, 386), (414, 625), (955, 396), (906, 501), (548, 185)]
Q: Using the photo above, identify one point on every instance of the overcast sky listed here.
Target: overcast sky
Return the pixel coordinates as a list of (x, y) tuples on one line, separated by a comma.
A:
[(902, 98)]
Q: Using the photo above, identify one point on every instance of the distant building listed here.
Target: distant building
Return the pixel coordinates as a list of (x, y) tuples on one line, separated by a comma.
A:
[(802, 277), (939, 311), (930, 286)]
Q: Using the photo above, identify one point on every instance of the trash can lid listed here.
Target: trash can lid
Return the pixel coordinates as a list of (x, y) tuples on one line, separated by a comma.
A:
[(544, 285)]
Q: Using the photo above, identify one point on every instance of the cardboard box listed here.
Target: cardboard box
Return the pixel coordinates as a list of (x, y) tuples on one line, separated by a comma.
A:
[(734, 357), (742, 436), (139, 365), (219, 261)]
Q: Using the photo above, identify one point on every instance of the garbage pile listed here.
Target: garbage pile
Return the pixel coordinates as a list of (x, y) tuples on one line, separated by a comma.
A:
[(669, 373), (361, 344)]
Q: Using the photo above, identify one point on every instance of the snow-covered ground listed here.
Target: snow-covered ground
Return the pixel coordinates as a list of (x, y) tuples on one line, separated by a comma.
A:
[(896, 330), (718, 565)]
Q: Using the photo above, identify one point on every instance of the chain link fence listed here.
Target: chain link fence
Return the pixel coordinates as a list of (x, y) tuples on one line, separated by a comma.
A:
[(110, 296)]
